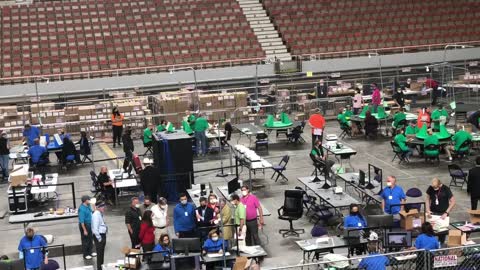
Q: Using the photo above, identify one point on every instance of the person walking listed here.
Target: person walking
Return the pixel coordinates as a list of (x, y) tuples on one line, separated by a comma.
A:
[(160, 217), (4, 154), (184, 218), (85, 226), (376, 97), (132, 220), (200, 127), (128, 149), (117, 125), (473, 184), (99, 230), (147, 232), (33, 249), (253, 222)]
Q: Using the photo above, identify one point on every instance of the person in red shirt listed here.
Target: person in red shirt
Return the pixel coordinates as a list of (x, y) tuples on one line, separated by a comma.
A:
[(376, 97), (147, 232), (317, 125)]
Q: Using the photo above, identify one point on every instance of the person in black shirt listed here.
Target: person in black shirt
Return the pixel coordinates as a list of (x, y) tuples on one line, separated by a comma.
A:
[(371, 125), (317, 152), (322, 92), (4, 154), (151, 182), (128, 149), (473, 184), (69, 149), (84, 144), (133, 220), (106, 184), (439, 201), (399, 97), (204, 215)]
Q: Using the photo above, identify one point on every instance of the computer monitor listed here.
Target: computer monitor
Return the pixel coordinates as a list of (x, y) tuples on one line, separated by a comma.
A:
[(361, 178), (376, 174), (186, 245), (233, 186), (398, 239), (380, 221)]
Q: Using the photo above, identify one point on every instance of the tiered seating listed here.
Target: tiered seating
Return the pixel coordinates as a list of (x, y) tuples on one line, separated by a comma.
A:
[(62, 37), (316, 26)]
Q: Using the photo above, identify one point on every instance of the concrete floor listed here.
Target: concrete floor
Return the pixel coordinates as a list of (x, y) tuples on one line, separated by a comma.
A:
[(282, 251)]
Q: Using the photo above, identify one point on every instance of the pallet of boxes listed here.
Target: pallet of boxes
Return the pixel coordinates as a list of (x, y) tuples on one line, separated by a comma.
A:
[(13, 121)]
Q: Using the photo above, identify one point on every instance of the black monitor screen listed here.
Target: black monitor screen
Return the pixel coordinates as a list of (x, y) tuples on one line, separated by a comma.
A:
[(395, 239), (186, 245), (383, 221), (361, 178), (233, 186)]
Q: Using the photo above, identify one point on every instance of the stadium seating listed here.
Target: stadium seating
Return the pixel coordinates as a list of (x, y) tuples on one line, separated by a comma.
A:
[(318, 26), (54, 37)]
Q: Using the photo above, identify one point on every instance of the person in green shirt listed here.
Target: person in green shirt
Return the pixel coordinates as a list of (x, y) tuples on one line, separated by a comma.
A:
[(240, 214), (201, 125), (412, 129), (348, 112), (398, 118), (402, 141), (318, 153), (191, 119), (147, 136), (431, 140), (459, 138), (162, 126), (342, 119), (440, 115)]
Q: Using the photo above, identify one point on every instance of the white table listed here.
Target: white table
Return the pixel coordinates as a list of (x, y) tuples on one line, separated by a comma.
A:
[(120, 181)]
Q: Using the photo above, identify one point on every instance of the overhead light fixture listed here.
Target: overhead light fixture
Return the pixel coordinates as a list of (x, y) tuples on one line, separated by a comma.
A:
[(427, 68)]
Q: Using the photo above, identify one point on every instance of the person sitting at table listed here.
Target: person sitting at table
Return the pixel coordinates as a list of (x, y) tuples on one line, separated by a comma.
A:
[(427, 239), (317, 152), (214, 244), (439, 116), (348, 112), (38, 154), (106, 184), (402, 141), (68, 149), (431, 140), (354, 221), (423, 117), (342, 119), (399, 119), (162, 126), (163, 246), (371, 125), (84, 144), (392, 196), (398, 96), (459, 139), (30, 133), (374, 261), (147, 136), (411, 129)]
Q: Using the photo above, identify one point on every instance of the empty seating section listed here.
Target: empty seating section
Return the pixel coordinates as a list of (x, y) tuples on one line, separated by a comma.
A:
[(317, 26), (62, 37)]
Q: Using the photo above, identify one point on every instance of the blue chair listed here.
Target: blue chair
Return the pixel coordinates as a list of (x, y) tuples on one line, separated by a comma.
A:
[(280, 168), (413, 193)]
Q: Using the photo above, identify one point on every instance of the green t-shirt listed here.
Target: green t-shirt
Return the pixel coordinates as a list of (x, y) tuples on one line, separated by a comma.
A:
[(191, 120), (342, 119), (436, 116), (398, 117), (317, 151), (401, 140), (201, 124), (147, 135), (431, 139), (459, 138), (348, 114), (161, 128), (411, 130), (240, 213)]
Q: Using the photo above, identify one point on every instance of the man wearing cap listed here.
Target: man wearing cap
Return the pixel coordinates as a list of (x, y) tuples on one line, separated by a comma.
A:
[(85, 226), (99, 230)]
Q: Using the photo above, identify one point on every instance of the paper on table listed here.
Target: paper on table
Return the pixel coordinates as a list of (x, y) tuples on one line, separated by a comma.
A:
[(216, 255), (453, 105)]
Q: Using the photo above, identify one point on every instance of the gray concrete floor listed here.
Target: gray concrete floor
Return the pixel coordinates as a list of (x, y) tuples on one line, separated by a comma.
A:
[(282, 251)]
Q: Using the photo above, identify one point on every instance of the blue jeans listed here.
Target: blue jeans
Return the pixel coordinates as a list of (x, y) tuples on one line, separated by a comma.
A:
[(201, 141), (4, 160)]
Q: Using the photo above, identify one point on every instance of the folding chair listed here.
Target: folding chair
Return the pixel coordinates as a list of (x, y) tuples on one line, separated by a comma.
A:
[(280, 168), (459, 177), (261, 141), (346, 130), (149, 148), (319, 166), (96, 188), (398, 153)]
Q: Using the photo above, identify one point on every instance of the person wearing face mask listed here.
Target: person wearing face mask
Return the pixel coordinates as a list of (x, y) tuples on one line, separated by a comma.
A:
[(398, 118), (212, 202), (147, 232), (355, 219), (147, 205), (226, 217), (204, 216), (147, 136), (423, 117), (99, 230), (401, 140), (239, 216), (399, 97), (4, 154), (132, 221), (439, 201), (117, 125), (160, 217), (184, 218), (254, 221), (163, 245), (214, 244), (319, 154), (392, 195), (34, 257), (357, 101), (106, 185)]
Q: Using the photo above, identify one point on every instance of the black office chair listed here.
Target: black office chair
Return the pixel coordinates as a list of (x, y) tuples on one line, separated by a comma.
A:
[(280, 168), (398, 153), (433, 151), (291, 210), (459, 177), (261, 141)]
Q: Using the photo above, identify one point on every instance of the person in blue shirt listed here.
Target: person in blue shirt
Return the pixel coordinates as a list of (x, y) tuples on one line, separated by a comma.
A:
[(37, 153), (30, 133), (392, 195), (85, 226), (33, 249), (427, 240), (214, 244), (184, 218), (163, 245), (355, 219), (374, 261)]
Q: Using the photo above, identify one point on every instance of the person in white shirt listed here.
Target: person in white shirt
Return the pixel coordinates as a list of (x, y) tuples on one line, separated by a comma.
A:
[(99, 230), (160, 217)]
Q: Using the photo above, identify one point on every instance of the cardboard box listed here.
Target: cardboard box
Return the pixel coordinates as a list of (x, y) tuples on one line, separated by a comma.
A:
[(18, 176), (131, 262), (456, 238), (474, 216), (411, 220)]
